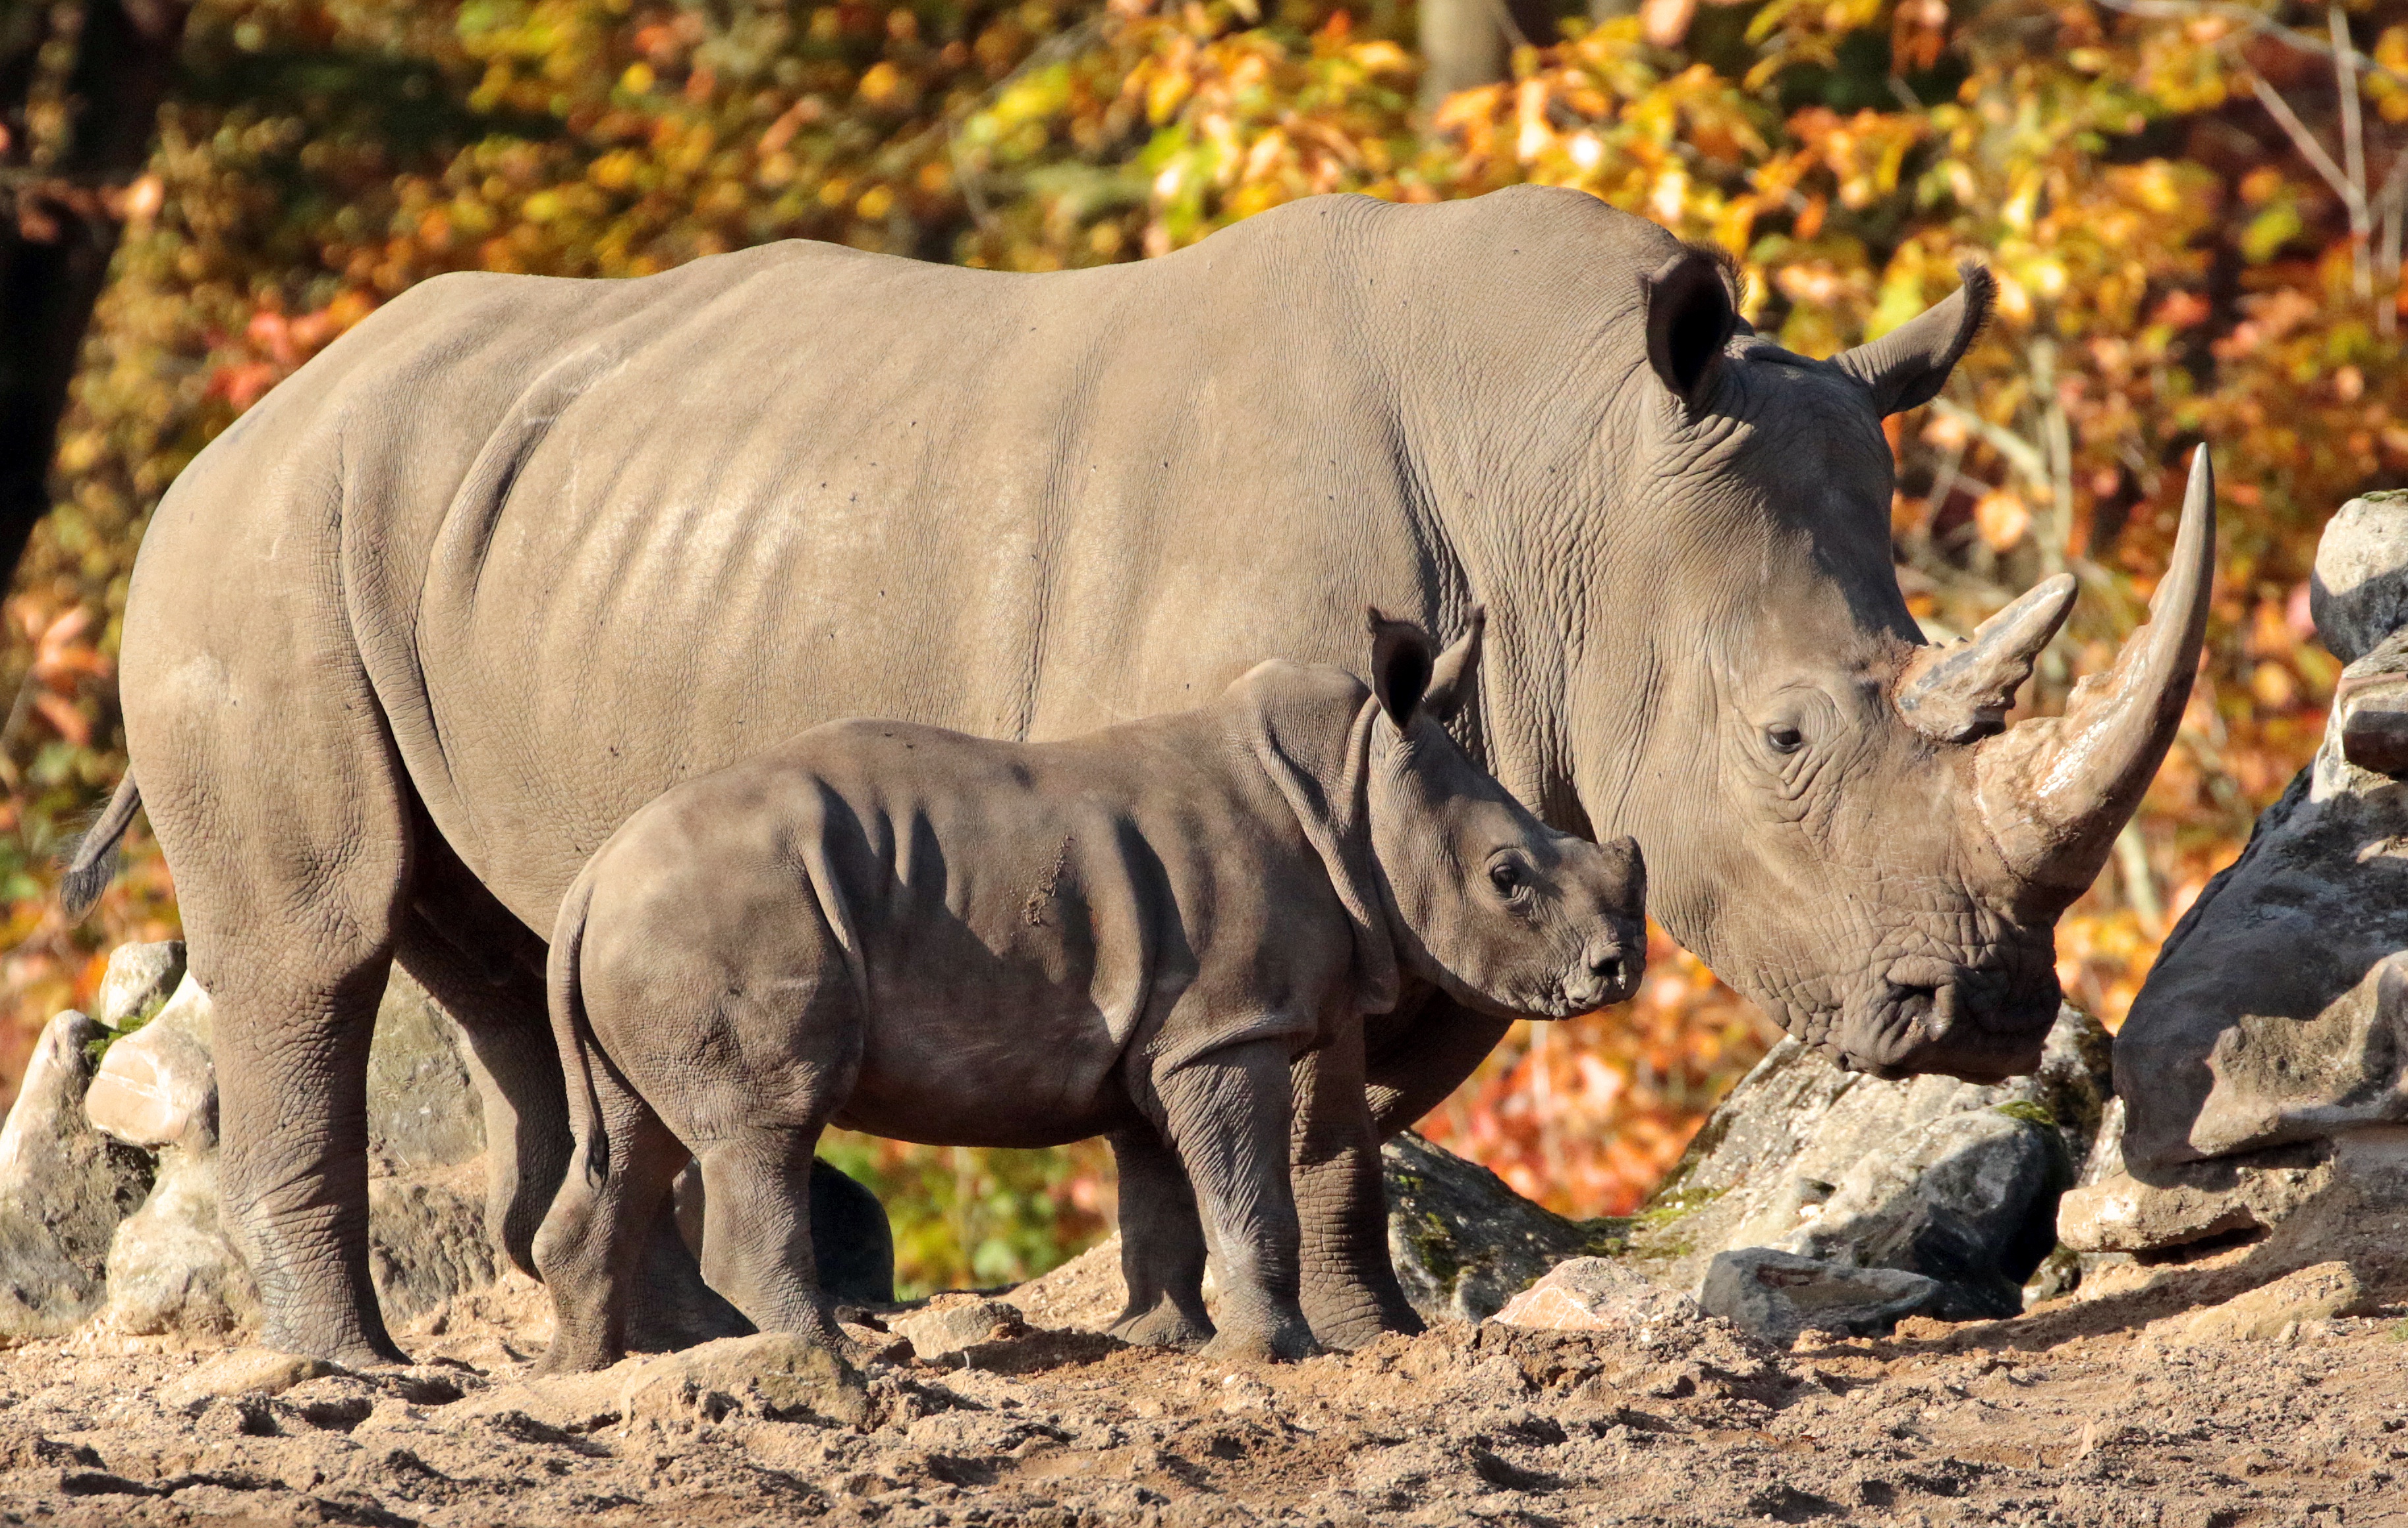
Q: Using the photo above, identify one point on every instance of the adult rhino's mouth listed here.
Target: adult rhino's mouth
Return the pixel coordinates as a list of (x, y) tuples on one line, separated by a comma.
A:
[(1931, 1015)]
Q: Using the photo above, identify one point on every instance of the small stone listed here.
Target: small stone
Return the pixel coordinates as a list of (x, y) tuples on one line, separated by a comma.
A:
[(246, 1371), (776, 1377), (942, 1333), (1597, 1294), (2276, 1312), (1776, 1296), (157, 1086), (63, 1188), (139, 980)]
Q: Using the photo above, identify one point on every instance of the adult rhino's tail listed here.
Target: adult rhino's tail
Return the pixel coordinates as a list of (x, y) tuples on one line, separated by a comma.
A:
[(95, 862)]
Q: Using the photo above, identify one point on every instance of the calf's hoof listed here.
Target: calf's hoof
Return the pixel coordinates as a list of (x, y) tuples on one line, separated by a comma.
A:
[(1163, 1326)]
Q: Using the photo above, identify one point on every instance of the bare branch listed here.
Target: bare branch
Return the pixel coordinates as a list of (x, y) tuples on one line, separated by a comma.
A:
[(2256, 22), (2310, 150)]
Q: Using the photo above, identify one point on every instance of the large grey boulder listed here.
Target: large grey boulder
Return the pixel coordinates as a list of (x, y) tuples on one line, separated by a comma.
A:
[(1952, 1181), (2264, 1067), (63, 1188)]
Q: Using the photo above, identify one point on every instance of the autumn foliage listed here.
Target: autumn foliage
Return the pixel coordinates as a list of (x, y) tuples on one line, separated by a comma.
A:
[(2194, 211)]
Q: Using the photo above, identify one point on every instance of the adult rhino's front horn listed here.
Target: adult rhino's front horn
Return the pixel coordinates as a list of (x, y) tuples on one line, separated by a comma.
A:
[(2053, 791)]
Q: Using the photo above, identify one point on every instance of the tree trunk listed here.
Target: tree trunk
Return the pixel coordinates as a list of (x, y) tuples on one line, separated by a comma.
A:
[(60, 177), (1467, 43)]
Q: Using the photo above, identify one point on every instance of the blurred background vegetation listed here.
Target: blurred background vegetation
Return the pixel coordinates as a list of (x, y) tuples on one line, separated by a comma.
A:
[(2195, 211)]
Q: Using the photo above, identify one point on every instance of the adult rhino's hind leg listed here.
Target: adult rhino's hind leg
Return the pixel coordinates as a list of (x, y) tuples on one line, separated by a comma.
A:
[(280, 804)]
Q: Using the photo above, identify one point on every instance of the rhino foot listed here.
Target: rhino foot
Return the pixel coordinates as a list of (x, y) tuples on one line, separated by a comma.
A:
[(1286, 1342), (1163, 1326)]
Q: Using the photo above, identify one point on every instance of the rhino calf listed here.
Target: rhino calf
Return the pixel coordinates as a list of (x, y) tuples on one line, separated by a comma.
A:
[(944, 939)]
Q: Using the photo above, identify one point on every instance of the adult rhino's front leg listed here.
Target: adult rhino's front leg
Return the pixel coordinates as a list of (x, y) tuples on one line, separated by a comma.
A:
[(1414, 1059)]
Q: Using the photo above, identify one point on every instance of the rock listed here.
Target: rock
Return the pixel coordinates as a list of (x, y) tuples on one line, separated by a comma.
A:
[(423, 1109), (1775, 1295), (1463, 1242), (2277, 1010), (427, 1241), (171, 1267), (774, 1377), (139, 980), (2296, 1205), (63, 1188), (1597, 1294), (1950, 1180), (246, 1371), (2358, 593), (157, 1086), (2313, 1293), (947, 1331)]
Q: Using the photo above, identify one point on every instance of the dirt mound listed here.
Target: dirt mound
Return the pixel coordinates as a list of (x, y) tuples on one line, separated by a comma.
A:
[(2087, 1413)]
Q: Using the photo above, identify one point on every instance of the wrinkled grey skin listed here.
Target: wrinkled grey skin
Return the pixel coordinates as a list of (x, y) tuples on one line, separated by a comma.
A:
[(2278, 1009), (516, 555), (941, 938)]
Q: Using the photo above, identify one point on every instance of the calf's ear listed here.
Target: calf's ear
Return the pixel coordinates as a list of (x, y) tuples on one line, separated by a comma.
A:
[(1691, 315), (1907, 367), (1400, 666), (1452, 675)]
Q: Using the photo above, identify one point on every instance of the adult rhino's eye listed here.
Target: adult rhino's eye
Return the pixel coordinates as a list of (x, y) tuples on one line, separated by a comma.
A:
[(1785, 739)]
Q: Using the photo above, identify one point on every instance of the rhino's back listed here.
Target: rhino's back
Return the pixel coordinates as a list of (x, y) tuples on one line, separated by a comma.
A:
[(593, 538)]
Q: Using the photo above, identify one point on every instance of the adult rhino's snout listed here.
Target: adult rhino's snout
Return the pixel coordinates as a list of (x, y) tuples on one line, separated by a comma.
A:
[(1928, 1015)]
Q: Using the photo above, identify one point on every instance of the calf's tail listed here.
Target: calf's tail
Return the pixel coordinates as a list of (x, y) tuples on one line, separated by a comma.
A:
[(94, 864), (579, 1053)]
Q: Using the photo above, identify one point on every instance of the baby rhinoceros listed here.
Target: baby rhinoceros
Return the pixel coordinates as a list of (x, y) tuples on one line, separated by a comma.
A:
[(944, 939)]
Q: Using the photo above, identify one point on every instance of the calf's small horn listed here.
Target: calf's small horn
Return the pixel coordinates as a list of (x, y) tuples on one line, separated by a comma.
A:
[(2053, 792)]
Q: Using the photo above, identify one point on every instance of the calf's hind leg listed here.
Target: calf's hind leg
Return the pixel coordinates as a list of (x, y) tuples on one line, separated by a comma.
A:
[(1162, 1245), (605, 1217)]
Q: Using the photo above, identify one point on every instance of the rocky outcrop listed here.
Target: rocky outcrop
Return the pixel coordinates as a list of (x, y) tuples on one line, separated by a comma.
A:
[(2264, 1066), (63, 1188), (1953, 1182), (1462, 1241)]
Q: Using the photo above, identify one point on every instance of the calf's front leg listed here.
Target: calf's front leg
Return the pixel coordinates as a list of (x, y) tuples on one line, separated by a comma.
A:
[(1349, 1288), (1226, 1114)]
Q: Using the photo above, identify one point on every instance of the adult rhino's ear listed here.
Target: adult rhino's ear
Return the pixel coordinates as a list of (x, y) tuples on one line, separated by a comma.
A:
[(1692, 313), (1907, 367), (1400, 666), (1452, 676)]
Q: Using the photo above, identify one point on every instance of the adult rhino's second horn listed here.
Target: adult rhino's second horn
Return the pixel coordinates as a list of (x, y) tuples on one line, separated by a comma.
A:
[(2053, 792)]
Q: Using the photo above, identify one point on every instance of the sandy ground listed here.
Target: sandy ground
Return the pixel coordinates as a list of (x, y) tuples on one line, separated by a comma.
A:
[(2086, 1413)]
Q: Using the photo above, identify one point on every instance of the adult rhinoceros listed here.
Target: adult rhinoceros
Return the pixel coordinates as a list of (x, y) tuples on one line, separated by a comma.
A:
[(515, 555)]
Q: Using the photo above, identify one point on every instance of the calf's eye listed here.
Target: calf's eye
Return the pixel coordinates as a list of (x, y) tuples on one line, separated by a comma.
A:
[(1506, 877), (1785, 739)]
